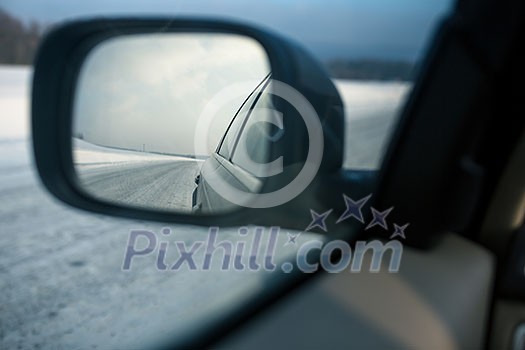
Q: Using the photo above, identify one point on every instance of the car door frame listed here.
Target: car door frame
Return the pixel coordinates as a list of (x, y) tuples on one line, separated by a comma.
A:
[(224, 165)]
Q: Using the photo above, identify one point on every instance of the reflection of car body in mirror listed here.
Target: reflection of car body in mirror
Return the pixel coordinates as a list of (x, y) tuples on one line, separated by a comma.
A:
[(243, 149)]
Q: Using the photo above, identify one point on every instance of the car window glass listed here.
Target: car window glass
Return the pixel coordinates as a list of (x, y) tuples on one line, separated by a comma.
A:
[(252, 148), (62, 278), (228, 142)]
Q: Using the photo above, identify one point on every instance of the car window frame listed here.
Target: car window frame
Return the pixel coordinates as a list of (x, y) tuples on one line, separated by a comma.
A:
[(257, 90), (244, 124)]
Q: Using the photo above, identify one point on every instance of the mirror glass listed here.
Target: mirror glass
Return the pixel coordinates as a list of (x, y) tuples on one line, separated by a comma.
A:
[(156, 116)]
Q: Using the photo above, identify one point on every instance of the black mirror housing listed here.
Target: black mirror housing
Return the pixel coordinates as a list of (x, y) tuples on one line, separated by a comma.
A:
[(56, 71)]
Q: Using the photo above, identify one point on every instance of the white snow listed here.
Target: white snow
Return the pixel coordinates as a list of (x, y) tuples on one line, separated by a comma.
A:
[(14, 102), (371, 113), (363, 97)]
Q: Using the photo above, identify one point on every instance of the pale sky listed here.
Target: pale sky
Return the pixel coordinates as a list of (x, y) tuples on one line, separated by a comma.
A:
[(150, 89)]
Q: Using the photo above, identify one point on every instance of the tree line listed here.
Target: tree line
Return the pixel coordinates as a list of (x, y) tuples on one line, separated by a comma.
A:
[(381, 70), (18, 40)]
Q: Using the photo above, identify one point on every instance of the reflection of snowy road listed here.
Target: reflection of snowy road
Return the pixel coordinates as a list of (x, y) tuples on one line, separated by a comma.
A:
[(161, 184)]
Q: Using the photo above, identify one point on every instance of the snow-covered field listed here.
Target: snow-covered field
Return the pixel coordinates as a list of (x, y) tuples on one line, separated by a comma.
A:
[(371, 109), (61, 279), (86, 154)]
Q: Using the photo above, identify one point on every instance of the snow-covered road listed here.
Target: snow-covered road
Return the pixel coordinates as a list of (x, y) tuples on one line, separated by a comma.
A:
[(161, 184), (140, 179), (61, 280)]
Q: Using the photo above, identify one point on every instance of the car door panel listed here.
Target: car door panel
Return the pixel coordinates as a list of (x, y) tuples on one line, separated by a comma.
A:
[(440, 299), (232, 174), (220, 163)]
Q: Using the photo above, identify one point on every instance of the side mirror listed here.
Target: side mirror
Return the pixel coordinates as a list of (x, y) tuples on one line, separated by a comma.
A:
[(184, 120)]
